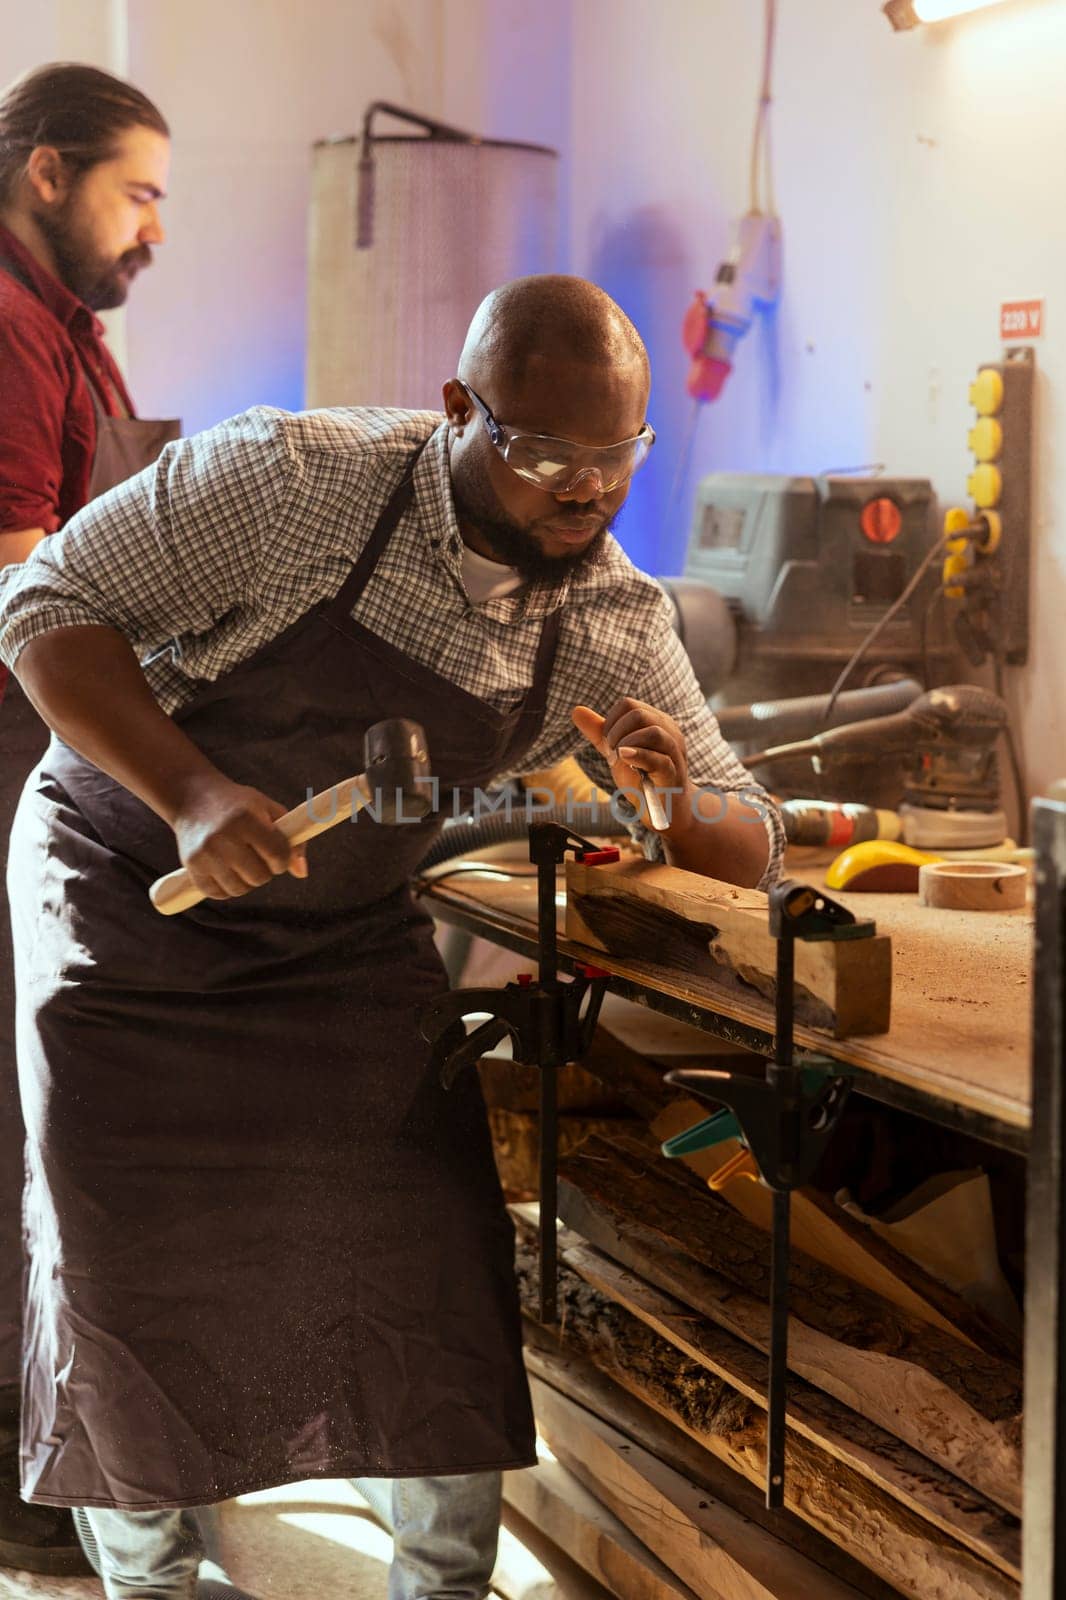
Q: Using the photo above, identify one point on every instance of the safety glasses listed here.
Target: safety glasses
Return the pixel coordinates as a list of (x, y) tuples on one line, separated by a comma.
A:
[(559, 465)]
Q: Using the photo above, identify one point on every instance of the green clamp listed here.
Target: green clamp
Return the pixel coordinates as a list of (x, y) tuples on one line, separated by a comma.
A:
[(723, 1125), (703, 1135)]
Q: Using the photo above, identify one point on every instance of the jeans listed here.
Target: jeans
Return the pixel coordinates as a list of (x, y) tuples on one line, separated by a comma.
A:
[(445, 1532), (152, 1554)]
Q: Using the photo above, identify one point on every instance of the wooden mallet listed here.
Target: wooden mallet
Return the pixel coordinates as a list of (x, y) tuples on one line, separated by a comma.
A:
[(395, 783)]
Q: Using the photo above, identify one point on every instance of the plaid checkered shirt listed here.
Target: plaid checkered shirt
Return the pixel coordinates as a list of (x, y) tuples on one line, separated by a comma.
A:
[(235, 533)]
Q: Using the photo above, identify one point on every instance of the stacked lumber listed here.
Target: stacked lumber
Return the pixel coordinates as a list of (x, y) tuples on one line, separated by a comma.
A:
[(587, 1106), (904, 1408), (903, 1449)]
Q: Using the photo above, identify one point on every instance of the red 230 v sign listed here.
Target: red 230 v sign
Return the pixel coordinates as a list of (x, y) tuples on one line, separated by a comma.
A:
[(1021, 319)]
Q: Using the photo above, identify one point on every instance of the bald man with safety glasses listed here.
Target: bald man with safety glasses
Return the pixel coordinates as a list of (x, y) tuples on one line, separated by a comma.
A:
[(267, 1156)]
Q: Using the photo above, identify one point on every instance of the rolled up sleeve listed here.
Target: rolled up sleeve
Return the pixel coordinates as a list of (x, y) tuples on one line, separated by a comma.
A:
[(669, 684), (33, 385)]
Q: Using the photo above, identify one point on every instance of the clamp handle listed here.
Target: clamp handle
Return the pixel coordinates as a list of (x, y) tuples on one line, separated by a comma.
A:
[(703, 1135)]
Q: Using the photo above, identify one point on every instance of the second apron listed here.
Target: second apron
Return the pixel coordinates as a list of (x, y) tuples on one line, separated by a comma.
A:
[(124, 445)]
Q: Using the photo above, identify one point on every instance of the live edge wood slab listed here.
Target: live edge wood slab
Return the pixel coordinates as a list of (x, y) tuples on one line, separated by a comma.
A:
[(715, 930)]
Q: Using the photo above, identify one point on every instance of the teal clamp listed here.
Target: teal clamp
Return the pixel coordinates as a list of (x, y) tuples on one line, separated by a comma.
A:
[(723, 1125), (703, 1135)]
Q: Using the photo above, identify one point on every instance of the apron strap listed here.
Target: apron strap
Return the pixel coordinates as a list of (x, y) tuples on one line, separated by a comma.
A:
[(537, 699), (340, 607)]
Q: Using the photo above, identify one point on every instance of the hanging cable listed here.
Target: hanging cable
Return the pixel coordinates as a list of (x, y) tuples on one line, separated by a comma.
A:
[(760, 139), (882, 623), (1013, 757)]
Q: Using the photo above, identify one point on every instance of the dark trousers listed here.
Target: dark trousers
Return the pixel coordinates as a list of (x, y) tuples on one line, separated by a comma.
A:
[(23, 738)]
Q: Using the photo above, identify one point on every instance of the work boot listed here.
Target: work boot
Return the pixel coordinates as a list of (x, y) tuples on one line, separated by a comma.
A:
[(35, 1538)]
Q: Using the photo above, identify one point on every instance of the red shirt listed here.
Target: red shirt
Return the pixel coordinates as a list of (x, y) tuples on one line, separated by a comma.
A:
[(51, 348)]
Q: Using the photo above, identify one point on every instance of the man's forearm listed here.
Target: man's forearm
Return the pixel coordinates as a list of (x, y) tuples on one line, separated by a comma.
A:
[(87, 684), (720, 835)]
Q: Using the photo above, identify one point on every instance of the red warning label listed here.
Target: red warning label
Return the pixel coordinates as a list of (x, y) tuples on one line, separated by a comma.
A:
[(1021, 319)]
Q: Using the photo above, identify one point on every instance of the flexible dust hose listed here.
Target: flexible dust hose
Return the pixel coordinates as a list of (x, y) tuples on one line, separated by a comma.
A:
[(785, 720), (591, 819)]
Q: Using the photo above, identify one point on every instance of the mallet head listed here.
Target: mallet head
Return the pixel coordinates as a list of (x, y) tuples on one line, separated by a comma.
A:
[(397, 770)]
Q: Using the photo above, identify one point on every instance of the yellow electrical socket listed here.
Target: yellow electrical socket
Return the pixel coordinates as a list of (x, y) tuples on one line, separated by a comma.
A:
[(956, 521), (986, 392), (994, 523), (953, 566), (959, 538), (985, 439), (985, 485)]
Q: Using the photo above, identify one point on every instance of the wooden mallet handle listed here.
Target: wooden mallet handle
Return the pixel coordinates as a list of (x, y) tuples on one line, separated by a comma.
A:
[(176, 891), (397, 770)]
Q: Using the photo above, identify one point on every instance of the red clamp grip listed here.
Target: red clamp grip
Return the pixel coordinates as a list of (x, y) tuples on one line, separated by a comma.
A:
[(587, 970), (599, 858)]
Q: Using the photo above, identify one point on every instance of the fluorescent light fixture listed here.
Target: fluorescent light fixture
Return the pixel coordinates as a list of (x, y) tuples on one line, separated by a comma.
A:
[(911, 13)]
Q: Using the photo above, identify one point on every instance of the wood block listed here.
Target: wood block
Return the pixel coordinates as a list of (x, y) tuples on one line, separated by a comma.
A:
[(512, 1087), (516, 1146), (701, 927), (850, 1439), (529, 1566), (561, 1507)]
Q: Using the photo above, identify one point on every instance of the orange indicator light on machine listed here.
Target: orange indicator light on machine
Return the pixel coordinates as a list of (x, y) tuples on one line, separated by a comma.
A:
[(881, 520)]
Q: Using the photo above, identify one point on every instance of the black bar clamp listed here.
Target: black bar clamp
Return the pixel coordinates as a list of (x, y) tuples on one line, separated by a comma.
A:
[(550, 1023), (786, 1119)]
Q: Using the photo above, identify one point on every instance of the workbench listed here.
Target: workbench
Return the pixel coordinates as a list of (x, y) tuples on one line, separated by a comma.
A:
[(960, 1053), (958, 1050)]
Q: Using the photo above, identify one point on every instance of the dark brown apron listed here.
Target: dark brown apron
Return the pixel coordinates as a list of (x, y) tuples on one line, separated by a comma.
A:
[(124, 445), (266, 1244)]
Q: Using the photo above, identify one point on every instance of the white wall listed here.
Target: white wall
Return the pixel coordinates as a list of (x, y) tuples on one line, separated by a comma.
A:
[(979, 219), (920, 177)]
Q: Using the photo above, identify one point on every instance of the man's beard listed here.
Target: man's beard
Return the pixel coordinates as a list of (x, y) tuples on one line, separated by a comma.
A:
[(513, 543), (101, 285)]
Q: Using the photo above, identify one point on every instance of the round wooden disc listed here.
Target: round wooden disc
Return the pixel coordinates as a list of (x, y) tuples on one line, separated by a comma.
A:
[(972, 885)]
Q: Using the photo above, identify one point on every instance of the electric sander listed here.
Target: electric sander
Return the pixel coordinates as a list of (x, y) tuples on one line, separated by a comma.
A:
[(941, 752)]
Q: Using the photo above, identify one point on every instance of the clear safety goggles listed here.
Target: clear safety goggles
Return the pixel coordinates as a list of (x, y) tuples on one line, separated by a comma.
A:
[(559, 465)]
